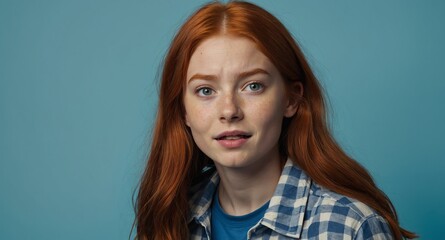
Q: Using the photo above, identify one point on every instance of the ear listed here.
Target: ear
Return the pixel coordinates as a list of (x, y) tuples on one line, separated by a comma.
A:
[(295, 93)]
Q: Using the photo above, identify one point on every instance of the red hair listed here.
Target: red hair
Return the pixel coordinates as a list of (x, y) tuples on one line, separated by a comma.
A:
[(175, 160)]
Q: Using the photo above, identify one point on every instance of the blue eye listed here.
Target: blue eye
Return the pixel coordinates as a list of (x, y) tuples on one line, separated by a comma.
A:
[(204, 91), (255, 87)]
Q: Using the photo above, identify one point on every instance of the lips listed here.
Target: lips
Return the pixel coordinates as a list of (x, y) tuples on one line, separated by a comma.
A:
[(233, 135), (232, 139)]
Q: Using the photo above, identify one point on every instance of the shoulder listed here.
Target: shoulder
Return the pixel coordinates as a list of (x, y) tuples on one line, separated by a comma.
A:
[(201, 195), (203, 186), (324, 199), (338, 216)]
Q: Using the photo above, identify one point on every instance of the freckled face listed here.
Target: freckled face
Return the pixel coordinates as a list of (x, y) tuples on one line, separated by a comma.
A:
[(235, 102)]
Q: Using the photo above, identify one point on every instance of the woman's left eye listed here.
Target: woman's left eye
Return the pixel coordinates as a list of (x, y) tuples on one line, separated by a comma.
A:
[(255, 87)]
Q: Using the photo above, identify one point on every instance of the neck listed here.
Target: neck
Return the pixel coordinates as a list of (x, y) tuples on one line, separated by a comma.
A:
[(243, 190)]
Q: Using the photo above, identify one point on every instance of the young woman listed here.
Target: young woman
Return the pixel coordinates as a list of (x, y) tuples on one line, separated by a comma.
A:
[(241, 149)]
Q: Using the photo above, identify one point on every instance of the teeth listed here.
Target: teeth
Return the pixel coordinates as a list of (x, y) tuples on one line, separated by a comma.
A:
[(232, 137), (235, 137)]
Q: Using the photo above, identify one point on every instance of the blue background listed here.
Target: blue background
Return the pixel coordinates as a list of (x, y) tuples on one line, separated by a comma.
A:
[(78, 95)]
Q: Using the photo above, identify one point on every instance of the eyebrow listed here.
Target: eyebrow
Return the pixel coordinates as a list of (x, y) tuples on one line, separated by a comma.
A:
[(240, 76)]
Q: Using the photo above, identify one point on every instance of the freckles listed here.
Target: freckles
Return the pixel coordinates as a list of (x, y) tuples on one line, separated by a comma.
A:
[(199, 117), (267, 112)]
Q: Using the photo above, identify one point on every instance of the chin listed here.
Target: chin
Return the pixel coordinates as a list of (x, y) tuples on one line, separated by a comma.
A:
[(233, 162)]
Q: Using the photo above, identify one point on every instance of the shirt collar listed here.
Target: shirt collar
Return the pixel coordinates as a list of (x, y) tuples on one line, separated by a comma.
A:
[(202, 198), (287, 206)]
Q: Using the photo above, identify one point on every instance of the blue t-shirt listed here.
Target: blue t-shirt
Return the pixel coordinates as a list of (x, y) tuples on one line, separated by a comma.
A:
[(226, 226)]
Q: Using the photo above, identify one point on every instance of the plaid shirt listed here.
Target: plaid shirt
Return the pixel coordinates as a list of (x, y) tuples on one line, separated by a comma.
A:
[(299, 209)]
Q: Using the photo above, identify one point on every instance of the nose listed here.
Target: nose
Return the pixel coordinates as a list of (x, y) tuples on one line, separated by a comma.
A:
[(230, 109)]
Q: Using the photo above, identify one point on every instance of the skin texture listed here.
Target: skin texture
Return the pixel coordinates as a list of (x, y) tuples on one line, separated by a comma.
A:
[(231, 85)]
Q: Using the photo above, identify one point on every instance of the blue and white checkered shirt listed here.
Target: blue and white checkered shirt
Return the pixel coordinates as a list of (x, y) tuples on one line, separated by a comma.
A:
[(299, 209)]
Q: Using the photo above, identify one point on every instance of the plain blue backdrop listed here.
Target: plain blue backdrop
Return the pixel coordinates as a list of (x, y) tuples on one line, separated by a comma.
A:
[(78, 96)]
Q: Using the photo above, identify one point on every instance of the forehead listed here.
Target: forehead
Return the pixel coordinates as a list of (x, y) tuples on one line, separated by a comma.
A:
[(226, 54)]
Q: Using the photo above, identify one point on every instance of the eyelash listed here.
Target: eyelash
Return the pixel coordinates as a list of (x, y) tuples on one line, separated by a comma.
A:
[(260, 85), (199, 91)]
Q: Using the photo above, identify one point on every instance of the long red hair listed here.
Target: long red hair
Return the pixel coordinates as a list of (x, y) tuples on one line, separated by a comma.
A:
[(175, 160)]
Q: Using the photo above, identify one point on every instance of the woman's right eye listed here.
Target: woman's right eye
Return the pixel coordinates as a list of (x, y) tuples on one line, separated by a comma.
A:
[(204, 91)]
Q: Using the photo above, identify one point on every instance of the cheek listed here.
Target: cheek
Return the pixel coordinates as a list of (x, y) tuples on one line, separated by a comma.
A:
[(269, 112), (191, 111), (270, 120), (270, 126), (187, 122), (197, 119), (200, 126)]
